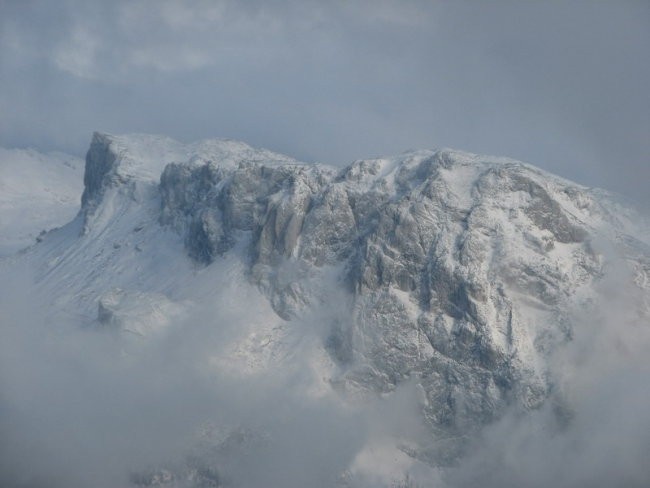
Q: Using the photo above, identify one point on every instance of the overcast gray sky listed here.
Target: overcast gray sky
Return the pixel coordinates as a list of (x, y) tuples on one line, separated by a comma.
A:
[(563, 85)]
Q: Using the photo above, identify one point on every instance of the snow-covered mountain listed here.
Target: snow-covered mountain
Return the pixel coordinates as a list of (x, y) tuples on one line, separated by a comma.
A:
[(452, 276), (37, 192)]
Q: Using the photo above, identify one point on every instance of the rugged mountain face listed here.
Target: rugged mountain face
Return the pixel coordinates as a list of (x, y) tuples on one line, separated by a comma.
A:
[(456, 271), (460, 270)]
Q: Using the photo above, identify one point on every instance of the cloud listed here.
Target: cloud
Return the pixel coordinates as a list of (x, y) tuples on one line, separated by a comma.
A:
[(81, 406), (84, 405), (559, 85), (77, 54)]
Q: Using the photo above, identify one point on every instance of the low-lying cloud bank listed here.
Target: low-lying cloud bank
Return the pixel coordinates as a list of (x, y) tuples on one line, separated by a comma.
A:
[(84, 406), (78, 409)]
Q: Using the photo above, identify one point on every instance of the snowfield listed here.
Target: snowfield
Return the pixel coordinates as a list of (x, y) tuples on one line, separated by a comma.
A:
[(37, 193)]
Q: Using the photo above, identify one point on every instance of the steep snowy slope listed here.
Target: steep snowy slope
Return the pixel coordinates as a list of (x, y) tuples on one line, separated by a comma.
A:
[(37, 192), (454, 274)]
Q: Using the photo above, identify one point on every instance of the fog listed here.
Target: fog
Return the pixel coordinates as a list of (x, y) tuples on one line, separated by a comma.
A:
[(84, 405), (81, 405)]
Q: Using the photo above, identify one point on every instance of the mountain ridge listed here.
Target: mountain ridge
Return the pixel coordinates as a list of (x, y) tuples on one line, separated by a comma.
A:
[(378, 217), (456, 271)]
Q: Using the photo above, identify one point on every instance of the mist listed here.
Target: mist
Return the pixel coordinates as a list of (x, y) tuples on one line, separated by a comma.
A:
[(83, 404)]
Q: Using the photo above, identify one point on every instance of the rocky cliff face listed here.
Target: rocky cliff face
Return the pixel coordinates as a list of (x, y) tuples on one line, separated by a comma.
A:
[(460, 271), (456, 271)]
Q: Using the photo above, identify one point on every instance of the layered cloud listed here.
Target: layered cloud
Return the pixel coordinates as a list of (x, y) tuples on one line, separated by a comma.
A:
[(560, 85)]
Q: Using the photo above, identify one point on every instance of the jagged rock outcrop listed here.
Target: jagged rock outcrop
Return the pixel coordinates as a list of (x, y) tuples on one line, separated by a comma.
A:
[(101, 170)]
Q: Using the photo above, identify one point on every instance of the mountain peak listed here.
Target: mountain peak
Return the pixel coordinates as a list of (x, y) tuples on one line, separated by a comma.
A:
[(456, 271), (443, 257), (117, 160)]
